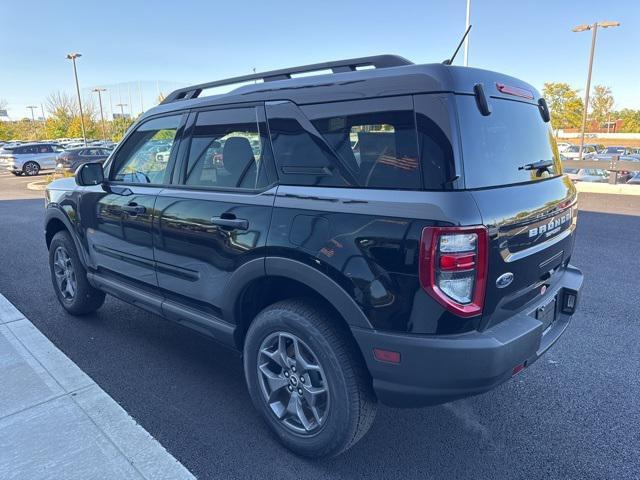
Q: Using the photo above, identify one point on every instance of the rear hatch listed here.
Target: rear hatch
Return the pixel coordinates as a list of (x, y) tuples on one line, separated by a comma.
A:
[(6, 155), (530, 212)]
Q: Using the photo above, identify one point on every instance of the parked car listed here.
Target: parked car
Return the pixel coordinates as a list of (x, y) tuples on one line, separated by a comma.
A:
[(411, 275), (29, 158), (615, 150), (587, 174), (562, 146), (635, 179), (70, 160), (573, 152)]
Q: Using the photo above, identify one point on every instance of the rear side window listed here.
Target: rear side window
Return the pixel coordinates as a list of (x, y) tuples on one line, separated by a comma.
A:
[(375, 139), (302, 156), (495, 147), (227, 150)]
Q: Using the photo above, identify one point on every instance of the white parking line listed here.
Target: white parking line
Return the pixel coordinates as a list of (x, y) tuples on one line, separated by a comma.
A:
[(54, 418)]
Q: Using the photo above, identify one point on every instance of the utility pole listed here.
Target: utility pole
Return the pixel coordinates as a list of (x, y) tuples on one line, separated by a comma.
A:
[(33, 121), (594, 30), (99, 91), (72, 57), (140, 93), (122, 105)]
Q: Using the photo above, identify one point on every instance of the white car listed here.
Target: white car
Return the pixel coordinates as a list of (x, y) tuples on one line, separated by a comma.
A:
[(593, 175), (29, 158), (562, 146), (572, 152)]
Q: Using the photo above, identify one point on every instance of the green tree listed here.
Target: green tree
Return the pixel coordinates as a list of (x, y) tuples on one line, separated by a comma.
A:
[(118, 127), (565, 105), (630, 120), (601, 104), (75, 127)]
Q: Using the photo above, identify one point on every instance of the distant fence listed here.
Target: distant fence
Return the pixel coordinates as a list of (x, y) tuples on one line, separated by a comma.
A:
[(590, 136), (614, 166)]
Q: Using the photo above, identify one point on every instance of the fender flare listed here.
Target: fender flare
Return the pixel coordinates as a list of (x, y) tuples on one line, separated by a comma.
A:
[(300, 272), (52, 213)]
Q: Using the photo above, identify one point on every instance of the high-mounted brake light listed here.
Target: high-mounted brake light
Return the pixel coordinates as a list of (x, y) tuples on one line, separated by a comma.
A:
[(516, 91), (453, 267)]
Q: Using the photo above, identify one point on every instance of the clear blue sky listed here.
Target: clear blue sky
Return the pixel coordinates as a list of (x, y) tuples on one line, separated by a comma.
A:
[(191, 41)]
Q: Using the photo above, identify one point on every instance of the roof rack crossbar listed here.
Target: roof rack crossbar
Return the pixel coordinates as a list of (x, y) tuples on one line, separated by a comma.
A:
[(338, 66)]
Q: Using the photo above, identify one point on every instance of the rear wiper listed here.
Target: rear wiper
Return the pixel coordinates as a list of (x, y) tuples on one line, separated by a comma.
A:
[(540, 166)]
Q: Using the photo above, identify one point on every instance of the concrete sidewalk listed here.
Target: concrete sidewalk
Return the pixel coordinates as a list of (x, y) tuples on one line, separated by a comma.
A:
[(55, 422)]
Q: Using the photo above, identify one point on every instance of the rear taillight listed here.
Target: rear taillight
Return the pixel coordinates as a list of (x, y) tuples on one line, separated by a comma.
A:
[(453, 267)]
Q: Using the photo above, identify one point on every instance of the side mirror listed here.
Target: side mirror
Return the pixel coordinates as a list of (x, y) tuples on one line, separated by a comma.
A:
[(89, 174)]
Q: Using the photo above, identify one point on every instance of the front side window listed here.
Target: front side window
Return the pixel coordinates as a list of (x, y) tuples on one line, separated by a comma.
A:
[(145, 154), (227, 150)]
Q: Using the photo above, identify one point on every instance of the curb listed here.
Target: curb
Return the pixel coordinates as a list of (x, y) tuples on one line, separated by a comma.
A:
[(40, 185)]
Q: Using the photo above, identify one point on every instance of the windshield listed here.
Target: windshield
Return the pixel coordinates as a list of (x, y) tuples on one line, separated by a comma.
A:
[(500, 149)]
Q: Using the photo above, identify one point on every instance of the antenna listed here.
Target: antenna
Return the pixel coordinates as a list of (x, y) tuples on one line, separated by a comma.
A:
[(449, 61)]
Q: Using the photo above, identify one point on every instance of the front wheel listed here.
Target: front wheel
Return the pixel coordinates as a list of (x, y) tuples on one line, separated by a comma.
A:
[(69, 277), (305, 376), (31, 169)]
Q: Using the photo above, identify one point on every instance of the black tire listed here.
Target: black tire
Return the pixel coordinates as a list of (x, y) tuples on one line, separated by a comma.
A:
[(85, 298), (350, 404), (31, 169), (17, 174)]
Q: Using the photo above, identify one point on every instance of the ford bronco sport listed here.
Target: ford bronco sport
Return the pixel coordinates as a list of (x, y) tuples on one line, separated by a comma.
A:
[(398, 234)]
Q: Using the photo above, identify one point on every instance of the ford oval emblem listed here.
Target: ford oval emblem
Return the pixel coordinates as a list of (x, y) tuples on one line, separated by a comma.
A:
[(504, 280)]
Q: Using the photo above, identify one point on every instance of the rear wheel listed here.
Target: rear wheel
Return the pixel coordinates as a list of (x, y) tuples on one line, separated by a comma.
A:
[(69, 277), (305, 376), (31, 169)]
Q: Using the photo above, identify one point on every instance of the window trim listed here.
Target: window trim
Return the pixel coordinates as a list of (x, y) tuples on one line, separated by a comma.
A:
[(178, 176), (109, 167)]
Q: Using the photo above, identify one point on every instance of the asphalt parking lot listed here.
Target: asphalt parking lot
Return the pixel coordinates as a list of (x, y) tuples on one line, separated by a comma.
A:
[(573, 414)]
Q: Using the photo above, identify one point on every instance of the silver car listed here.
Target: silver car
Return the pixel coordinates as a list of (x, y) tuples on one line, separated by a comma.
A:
[(29, 158)]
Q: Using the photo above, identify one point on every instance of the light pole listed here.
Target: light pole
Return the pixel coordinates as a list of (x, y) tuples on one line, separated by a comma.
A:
[(33, 121), (466, 40), (72, 57), (594, 30), (99, 91), (122, 105)]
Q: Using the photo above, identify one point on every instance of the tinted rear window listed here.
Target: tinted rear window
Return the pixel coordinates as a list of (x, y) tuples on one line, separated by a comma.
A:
[(495, 146), (375, 139)]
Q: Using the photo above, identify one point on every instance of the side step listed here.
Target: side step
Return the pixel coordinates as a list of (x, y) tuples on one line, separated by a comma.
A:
[(205, 323)]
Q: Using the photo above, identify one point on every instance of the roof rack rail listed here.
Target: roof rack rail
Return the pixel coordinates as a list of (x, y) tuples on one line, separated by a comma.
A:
[(349, 65)]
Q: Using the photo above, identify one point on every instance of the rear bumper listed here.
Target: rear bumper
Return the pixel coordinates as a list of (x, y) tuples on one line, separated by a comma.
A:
[(438, 369)]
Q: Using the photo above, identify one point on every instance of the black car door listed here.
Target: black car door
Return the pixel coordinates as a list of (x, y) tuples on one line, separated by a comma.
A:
[(117, 217), (215, 216)]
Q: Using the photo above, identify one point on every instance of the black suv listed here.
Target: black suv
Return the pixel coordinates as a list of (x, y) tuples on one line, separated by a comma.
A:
[(401, 234)]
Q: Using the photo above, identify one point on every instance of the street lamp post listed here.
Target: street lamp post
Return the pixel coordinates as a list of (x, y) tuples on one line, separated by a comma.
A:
[(594, 30), (99, 92), (72, 57), (33, 121), (122, 105)]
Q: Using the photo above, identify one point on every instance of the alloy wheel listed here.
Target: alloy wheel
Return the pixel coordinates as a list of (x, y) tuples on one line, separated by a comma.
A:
[(31, 168), (64, 273), (293, 383)]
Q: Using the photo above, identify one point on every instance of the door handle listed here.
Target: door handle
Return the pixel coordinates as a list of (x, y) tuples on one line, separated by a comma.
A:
[(231, 223), (134, 209)]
